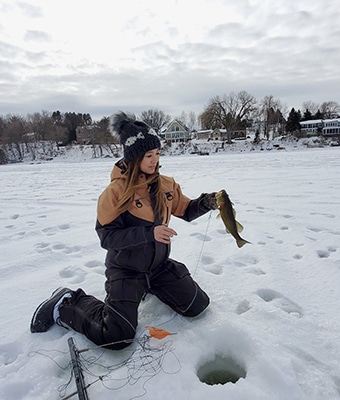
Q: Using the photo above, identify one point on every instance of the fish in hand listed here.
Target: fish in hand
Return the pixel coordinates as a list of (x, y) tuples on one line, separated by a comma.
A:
[(228, 213)]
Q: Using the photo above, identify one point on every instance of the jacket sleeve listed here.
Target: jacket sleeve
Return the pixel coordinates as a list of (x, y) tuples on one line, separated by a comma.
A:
[(199, 206), (116, 236)]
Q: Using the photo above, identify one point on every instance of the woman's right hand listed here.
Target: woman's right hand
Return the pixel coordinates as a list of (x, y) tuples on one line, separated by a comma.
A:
[(163, 234)]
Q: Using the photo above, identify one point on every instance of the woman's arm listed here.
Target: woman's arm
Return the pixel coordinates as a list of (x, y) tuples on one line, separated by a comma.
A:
[(200, 206)]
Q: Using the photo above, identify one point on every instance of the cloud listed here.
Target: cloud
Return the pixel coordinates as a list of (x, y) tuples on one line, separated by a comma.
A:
[(171, 56), (8, 51), (32, 35), (29, 9)]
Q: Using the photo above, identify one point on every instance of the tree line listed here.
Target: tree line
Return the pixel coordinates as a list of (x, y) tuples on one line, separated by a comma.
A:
[(233, 111)]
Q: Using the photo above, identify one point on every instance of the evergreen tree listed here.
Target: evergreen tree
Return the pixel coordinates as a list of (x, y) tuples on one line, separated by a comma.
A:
[(318, 115), (307, 115), (293, 121)]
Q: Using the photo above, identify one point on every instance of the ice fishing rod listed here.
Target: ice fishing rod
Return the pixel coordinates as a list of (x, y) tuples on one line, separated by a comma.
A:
[(78, 372)]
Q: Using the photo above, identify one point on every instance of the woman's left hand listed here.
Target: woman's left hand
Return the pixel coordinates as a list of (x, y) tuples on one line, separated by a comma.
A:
[(163, 234)]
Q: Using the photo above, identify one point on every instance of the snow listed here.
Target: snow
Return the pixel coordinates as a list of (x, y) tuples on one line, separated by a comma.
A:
[(273, 322)]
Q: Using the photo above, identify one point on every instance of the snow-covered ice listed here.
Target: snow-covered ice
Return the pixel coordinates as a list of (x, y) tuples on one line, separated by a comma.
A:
[(273, 323)]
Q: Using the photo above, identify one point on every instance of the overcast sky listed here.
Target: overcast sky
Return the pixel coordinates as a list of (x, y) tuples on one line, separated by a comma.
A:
[(101, 56)]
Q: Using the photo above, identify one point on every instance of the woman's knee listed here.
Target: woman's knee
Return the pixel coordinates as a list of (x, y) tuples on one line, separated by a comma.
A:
[(118, 332), (199, 304)]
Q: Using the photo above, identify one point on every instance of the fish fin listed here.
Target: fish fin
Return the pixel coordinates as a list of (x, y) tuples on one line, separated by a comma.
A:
[(239, 227)]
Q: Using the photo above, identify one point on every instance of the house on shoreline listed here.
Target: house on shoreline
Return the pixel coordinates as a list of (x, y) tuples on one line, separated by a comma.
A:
[(328, 128)]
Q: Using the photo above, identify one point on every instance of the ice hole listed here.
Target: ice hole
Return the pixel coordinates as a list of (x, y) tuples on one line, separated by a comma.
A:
[(220, 371)]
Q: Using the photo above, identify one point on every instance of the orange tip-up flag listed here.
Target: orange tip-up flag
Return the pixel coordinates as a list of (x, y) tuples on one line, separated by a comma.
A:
[(158, 333)]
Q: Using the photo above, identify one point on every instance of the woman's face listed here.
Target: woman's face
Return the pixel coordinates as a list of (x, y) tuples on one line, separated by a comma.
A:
[(149, 162)]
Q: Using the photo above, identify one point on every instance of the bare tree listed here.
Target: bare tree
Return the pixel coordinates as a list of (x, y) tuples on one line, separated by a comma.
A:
[(230, 112), (39, 123), (13, 135), (103, 139), (330, 109), (189, 120), (310, 106), (57, 134), (155, 118), (270, 116)]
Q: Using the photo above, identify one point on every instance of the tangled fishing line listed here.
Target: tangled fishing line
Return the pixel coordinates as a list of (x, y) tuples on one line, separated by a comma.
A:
[(143, 363)]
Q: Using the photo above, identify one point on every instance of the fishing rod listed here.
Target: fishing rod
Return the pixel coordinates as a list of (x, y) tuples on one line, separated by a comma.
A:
[(77, 371)]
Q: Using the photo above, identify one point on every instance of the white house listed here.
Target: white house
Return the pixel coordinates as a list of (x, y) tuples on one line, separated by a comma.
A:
[(331, 127), (325, 127), (176, 131)]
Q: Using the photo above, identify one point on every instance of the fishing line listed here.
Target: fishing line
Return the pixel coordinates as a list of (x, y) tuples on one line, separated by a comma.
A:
[(44, 353), (203, 242), (142, 364)]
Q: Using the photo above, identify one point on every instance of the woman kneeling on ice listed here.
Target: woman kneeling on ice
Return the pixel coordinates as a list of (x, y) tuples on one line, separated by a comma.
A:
[(132, 224)]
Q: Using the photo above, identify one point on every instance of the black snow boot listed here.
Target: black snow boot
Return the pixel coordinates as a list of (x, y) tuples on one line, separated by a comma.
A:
[(42, 319)]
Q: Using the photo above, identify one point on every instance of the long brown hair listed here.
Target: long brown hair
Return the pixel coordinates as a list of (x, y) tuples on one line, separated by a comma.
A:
[(132, 173)]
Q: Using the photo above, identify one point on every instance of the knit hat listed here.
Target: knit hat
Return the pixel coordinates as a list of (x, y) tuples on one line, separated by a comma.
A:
[(136, 136)]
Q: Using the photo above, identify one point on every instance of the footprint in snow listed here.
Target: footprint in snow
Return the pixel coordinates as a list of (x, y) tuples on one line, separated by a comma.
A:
[(243, 307), (314, 229), (256, 271), (323, 254), (214, 269), (72, 249), (18, 235), (209, 265), (50, 231), (280, 301), (94, 264), (323, 214), (297, 256), (42, 247), (31, 223), (66, 249), (64, 227), (73, 274), (326, 253), (58, 246)]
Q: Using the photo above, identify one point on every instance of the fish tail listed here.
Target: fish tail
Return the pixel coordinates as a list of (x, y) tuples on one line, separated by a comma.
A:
[(242, 242)]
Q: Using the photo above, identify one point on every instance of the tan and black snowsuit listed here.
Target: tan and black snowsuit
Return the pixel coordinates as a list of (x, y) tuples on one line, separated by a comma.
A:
[(136, 264)]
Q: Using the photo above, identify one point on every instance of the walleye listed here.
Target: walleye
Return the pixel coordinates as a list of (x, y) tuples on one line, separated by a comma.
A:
[(227, 213)]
